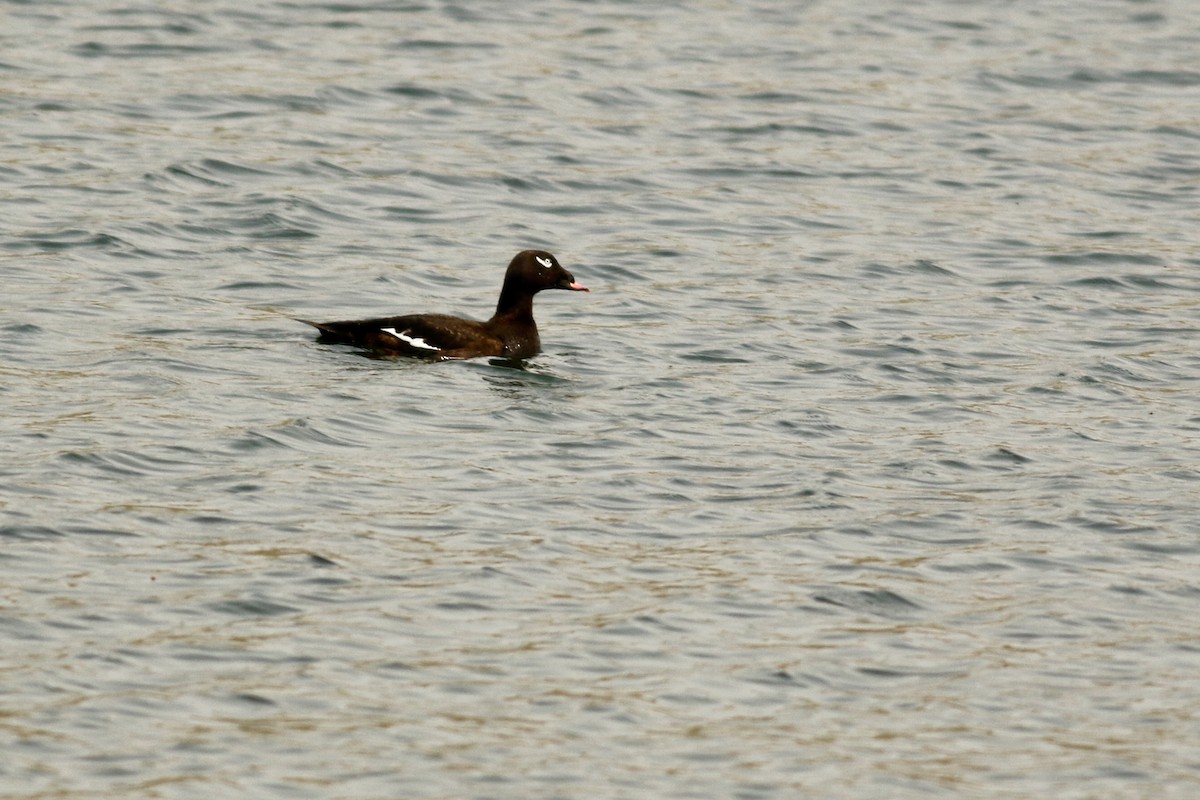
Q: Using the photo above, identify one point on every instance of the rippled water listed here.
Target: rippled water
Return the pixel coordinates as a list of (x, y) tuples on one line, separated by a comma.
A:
[(868, 468)]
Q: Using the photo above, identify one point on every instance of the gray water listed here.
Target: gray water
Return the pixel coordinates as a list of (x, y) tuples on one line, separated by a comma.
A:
[(868, 469)]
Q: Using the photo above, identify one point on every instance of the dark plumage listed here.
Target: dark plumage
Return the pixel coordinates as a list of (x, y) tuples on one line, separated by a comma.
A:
[(510, 333)]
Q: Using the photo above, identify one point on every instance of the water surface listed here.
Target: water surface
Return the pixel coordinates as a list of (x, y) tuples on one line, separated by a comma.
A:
[(867, 468)]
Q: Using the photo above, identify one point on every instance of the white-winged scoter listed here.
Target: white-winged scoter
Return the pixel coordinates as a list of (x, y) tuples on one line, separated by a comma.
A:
[(510, 333)]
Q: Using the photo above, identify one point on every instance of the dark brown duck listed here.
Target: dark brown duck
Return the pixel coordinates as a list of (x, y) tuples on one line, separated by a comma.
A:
[(510, 333)]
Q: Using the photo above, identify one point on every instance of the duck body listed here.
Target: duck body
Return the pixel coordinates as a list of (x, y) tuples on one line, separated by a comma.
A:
[(511, 333)]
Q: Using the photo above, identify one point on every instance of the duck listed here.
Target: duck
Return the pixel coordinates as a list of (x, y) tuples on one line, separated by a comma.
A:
[(510, 334)]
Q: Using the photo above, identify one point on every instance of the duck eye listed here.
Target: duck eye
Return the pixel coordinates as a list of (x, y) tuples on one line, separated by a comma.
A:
[(545, 262)]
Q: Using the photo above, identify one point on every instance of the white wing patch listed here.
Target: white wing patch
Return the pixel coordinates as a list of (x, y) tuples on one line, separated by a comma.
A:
[(415, 341), (545, 262)]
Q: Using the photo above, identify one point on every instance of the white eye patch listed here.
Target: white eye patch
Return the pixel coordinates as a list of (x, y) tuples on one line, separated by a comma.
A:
[(545, 262), (415, 341)]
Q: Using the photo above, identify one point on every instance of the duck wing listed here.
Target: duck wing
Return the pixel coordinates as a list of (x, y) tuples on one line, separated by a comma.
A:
[(431, 336)]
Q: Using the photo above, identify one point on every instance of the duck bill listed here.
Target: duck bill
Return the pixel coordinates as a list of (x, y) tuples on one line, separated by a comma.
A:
[(568, 282)]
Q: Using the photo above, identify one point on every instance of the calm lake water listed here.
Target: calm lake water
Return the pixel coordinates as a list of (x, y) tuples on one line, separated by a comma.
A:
[(870, 468)]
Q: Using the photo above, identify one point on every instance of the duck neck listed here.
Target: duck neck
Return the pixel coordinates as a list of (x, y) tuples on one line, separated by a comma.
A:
[(514, 304)]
